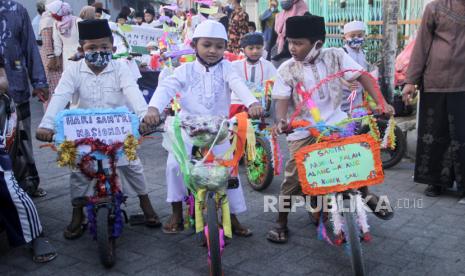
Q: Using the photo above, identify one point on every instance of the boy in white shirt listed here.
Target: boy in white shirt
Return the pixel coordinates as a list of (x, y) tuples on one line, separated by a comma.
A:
[(255, 70), (354, 37), (309, 64), (204, 87), (98, 82)]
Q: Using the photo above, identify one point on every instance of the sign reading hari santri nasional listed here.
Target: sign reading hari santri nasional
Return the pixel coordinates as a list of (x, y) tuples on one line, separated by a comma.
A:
[(340, 165), (107, 125)]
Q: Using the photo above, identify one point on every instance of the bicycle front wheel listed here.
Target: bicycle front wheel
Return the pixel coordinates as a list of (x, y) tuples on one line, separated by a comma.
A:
[(260, 171), (353, 238), (213, 236), (106, 243)]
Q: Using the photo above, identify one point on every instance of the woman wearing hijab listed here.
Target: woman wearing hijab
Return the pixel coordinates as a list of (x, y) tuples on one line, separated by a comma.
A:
[(53, 64), (88, 12), (290, 8), (65, 31)]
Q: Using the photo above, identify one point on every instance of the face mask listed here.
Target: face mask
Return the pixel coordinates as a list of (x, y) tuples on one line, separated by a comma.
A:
[(314, 52), (355, 43), (231, 6), (286, 4), (272, 9), (98, 59)]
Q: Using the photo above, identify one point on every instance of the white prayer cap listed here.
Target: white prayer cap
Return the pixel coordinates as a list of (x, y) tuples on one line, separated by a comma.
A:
[(354, 26), (210, 29)]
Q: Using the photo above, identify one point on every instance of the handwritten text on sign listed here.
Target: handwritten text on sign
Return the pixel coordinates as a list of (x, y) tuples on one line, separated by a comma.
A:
[(338, 166), (109, 128)]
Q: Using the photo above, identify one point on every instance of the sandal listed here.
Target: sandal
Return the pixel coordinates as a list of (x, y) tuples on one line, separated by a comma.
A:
[(173, 227), (243, 232), (278, 235), (39, 193), (72, 234), (140, 219), (385, 213), (43, 251)]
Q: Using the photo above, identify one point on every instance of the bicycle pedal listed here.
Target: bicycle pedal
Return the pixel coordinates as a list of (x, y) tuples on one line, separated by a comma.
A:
[(233, 183)]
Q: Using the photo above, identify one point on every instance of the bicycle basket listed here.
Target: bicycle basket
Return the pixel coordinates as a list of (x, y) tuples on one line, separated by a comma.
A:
[(211, 176)]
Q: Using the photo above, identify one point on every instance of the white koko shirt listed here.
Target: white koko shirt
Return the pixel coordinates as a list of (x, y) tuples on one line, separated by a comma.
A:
[(264, 70), (113, 87), (202, 91)]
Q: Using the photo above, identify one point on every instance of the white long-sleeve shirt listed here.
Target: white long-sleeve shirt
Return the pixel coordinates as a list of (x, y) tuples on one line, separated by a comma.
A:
[(67, 46), (264, 70), (113, 87), (202, 92)]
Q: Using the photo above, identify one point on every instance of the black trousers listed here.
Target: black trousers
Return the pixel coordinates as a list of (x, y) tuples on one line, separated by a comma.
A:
[(440, 157)]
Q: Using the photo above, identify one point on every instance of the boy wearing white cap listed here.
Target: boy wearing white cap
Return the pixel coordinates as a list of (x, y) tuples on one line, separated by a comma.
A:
[(354, 37), (204, 87)]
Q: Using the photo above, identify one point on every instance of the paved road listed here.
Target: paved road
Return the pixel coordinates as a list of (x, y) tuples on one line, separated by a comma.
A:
[(425, 239)]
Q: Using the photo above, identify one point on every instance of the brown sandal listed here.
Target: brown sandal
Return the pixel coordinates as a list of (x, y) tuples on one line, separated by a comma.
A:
[(173, 227), (278, 235)]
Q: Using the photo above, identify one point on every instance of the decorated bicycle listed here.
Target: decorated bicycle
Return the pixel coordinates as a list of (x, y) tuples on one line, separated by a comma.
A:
[(344, 159), (94, 141), (206, 176), (266, 164)]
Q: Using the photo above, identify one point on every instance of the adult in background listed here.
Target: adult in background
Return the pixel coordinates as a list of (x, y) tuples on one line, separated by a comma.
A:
[(65, 31), (290, 8), (87, 12), (437, 67), (53, 65), (267, 20), (238, 26), (18, 214), (36, 21), (22, 65)]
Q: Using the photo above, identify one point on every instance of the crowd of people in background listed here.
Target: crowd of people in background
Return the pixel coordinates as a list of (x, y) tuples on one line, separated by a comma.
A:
[(291, 38)]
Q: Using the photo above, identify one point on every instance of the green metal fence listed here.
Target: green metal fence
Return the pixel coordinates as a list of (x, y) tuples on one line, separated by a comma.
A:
[(338, 12)]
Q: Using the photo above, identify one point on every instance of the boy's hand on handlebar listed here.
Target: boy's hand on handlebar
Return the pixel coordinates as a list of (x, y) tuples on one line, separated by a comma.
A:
[(388, 110), (256, 111), (152, 117), (280, 127), (44, 134)]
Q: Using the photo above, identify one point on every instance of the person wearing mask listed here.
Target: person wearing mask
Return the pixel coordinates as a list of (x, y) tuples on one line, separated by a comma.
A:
[(267, 20), (65, 32), (23, 66), (139, 18), (290, 8), (53, 65)]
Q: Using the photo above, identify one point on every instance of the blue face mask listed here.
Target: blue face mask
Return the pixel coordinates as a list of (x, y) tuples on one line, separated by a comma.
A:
[(355, 43), (286, 4), (98, 59)]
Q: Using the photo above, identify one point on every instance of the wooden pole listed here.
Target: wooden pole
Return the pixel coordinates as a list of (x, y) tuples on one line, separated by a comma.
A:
[(390, 20)]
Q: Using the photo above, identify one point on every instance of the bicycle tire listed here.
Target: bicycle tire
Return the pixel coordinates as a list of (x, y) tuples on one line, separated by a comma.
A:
[(353, 238), (213, 236), (105, 241), (398, 153), (267, 177)]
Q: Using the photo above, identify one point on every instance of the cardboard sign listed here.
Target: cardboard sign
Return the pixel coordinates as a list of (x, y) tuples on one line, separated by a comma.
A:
[(209, 11), (109, 126), (337, 166), (138, 37)]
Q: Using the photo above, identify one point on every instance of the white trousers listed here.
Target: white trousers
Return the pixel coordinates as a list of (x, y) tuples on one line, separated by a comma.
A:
[(131, 175), (176, 190)]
